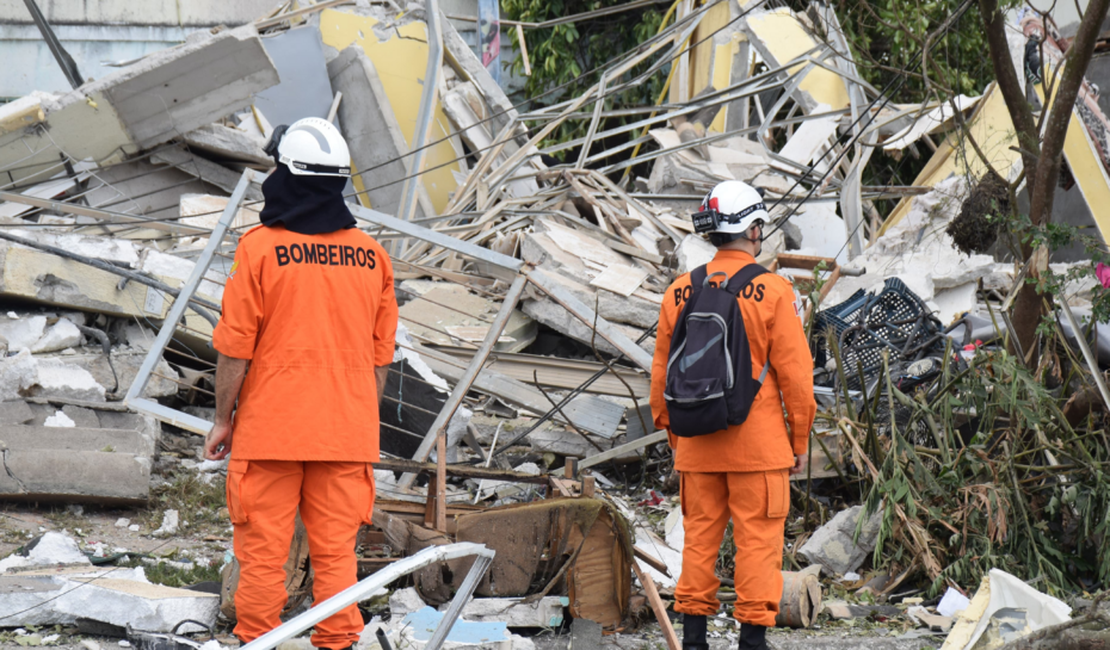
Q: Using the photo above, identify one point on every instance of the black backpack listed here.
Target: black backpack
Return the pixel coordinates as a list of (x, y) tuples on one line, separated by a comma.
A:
[(709, 372)]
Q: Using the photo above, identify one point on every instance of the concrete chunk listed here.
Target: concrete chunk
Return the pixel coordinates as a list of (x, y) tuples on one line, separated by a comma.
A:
[(373, 134), (833, 545), (22, 333), (74, 464), (140, 605), (15, 412), (57, 378), (59, 336), (547, 612), (226, 142), (167, 93)]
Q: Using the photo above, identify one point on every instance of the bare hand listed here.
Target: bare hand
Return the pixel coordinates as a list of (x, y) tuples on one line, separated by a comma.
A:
[(217, 444), (799, 465)]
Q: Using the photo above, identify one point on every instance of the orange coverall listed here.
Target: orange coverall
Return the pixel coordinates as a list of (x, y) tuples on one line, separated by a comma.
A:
[(314, 314), (741, 471)]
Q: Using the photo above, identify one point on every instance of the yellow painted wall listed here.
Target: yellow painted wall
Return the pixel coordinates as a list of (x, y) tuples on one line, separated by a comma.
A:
[(401, 63), (786, 39), (992, 129)]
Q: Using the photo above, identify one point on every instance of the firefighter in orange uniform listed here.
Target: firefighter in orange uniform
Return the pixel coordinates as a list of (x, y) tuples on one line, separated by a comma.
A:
[(743, 471), (309, 308)]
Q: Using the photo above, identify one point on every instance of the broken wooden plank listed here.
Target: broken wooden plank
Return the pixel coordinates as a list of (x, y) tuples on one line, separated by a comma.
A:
[(618, 451), (460, 471), (657, 606), (462, 386), (652, 561)]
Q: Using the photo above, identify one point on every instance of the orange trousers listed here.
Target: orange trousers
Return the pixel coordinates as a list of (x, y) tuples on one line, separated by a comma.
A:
[(263, 497), (758, 503)]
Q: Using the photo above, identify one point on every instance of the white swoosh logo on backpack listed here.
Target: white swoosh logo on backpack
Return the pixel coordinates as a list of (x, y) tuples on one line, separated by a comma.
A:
[(691, 359)]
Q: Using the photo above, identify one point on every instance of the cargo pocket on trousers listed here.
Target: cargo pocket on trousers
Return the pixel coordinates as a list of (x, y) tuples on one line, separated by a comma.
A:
[(778, 494), (368, 509), (236, 477)]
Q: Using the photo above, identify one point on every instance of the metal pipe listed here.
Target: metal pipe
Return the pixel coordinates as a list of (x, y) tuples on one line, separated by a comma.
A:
[(424, 115), (368, 585), (177, 310)]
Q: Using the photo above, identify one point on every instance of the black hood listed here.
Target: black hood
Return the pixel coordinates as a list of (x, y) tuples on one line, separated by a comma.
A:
[(309, 205)]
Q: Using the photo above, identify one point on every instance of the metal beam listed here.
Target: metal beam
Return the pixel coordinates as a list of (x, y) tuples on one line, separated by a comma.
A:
[(424, 113), (362, 590), (489, 262), (462, 387), (134, 397), (582, 312), (108, 216)]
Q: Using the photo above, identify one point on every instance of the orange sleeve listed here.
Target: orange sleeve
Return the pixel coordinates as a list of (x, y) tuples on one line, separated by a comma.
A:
[(659, 368), (793, 365), (241, 318), (385, 324)]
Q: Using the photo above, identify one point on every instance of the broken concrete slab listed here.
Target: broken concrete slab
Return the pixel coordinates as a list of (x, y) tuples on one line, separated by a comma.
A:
[(15, 412), (57, 378), (448, 314), (640, 309), (21, 333), (403, 602), (203, 169), (204, 210), (154, 100), (77, 465), (179, 89), (139, 605), (597, 415), (228, 143), (547, 612), (17, 374), (834, 546), (693, 252), (373, 133), (59, 336), (559, 319)]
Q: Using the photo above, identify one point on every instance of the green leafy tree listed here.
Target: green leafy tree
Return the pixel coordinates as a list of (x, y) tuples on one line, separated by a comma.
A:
[(567, 59)]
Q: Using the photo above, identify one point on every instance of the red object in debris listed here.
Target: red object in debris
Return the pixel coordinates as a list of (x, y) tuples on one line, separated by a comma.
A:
[(654, 499), (1103, 273)]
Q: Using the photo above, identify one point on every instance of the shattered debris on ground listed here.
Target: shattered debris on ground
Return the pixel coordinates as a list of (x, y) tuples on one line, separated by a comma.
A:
[(529, 290)]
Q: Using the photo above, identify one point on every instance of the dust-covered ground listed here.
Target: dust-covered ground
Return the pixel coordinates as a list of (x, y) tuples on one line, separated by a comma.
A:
[(197, 550)]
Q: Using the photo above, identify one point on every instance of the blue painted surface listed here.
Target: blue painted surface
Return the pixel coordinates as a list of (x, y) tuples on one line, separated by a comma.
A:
[(424, 621), (305, 90), (29, 65)]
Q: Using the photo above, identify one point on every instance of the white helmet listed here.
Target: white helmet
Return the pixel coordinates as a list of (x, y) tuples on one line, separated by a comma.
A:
[(311, 147), (729, 211)]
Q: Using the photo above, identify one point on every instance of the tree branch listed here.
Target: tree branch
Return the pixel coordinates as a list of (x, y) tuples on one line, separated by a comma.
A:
[(1021, 113), (1075, 67)]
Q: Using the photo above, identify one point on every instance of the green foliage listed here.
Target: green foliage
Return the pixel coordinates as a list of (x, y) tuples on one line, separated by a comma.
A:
[(566, 56), (887, 38), (164, 573), (198, 503), (1058, 236), (1009, 485)]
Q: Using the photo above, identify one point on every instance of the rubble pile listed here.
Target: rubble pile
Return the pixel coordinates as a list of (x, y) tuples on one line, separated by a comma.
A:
[(529, 292)]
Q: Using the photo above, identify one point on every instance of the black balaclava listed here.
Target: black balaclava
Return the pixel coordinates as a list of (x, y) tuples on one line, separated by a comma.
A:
[(309, 205)]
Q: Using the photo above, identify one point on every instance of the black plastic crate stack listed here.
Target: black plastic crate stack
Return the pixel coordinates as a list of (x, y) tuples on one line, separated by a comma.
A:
[(895, 319)]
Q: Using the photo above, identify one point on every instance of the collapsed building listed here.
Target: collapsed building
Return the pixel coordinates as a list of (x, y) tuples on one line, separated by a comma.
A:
[(529, 290)]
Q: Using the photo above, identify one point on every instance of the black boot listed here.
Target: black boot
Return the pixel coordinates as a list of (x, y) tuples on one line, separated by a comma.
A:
[(753, 637), (693, 632)]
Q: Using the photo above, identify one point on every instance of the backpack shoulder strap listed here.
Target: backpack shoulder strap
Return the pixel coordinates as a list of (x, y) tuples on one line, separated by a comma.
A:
[(698, 276), (744, 277)]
